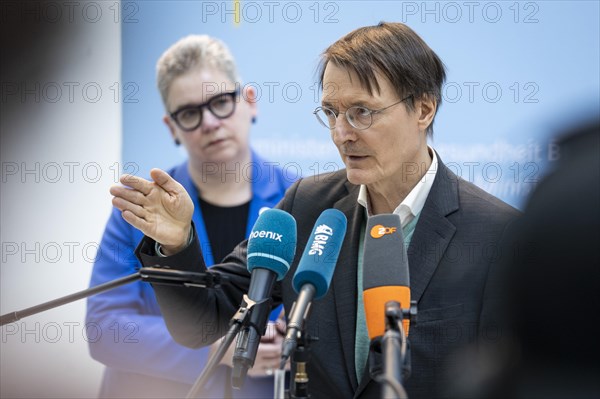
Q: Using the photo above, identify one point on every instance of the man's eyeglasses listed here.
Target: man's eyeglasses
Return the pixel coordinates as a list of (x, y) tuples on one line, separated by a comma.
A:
[(357, 116), (221, 106)]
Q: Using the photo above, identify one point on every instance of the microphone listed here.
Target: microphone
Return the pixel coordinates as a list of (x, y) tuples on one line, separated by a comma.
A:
[(385, 271), (315, 271), (271, 249)]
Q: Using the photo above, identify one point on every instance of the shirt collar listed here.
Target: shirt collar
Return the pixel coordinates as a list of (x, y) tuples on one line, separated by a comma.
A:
[(412, 205)]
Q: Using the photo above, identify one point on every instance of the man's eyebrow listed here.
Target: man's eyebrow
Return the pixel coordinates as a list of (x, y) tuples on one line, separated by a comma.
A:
[(358, 102)]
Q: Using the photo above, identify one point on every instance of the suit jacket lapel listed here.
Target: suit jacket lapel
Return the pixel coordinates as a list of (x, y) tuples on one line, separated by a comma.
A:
[(433, 231), (344, 279)]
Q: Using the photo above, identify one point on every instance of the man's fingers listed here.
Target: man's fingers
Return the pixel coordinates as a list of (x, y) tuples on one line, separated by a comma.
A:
[(138, 183), (128, 194), (164, 180), (124, 205), (136, 221)]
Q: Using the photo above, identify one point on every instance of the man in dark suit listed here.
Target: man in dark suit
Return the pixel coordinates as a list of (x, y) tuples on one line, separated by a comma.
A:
[(381, 91)]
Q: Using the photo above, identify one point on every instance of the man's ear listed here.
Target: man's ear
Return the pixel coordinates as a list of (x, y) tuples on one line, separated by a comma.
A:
[(426, 107)]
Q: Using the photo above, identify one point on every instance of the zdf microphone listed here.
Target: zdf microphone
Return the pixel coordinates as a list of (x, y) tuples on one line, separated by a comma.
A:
[(315, 271), (271, 249), (385, 271)]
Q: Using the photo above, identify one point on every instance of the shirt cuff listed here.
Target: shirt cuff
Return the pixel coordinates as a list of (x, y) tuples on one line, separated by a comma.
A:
[(157, 246)]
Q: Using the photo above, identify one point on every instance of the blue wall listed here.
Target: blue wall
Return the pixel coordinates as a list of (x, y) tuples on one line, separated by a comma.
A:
[(517, 72)]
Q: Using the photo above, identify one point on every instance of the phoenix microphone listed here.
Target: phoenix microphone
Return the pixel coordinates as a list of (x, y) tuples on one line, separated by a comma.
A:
[(271, 249), (385, 271), (315, 271)]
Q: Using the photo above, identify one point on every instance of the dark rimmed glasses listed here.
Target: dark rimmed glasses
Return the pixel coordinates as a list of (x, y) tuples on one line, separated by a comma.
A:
[(221, 106), (358, 116)]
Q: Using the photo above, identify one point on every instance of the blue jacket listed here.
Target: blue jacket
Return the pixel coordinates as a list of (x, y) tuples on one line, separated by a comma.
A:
[(125, 329)]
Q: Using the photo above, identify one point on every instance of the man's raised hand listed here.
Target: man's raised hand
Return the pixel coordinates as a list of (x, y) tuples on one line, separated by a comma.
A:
[(161, 209)]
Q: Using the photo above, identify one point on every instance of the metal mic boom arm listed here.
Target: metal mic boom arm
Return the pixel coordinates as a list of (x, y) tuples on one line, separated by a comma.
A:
[(153, 275)]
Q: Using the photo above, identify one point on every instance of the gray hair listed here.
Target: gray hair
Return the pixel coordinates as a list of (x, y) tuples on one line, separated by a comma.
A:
[(193, 51)]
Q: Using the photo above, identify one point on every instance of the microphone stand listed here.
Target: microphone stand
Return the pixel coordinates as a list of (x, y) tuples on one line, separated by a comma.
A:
[(395, 350), (300, 358), (18, 315), (147, 274), (239, 320)]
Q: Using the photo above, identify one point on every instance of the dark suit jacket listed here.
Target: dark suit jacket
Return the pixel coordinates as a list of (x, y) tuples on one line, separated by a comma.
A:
[(452, 250)]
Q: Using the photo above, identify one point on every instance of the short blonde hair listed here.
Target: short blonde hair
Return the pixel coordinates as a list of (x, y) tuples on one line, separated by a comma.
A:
[(190, 52)]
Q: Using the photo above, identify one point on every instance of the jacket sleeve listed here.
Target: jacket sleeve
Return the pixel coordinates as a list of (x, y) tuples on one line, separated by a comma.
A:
[(197, 317), (124, 327)]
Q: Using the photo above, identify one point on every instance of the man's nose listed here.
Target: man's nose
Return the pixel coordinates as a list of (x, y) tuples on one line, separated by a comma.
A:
[(343, 130)]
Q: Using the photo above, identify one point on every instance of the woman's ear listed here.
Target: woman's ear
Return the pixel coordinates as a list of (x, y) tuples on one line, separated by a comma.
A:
[(249, 96), (170, 124)]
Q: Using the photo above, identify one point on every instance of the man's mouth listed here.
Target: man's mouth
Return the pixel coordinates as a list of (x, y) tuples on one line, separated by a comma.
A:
[(356, 157)]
